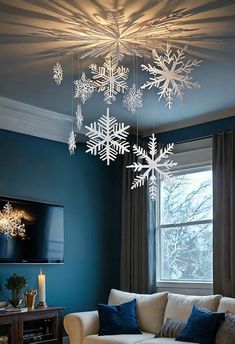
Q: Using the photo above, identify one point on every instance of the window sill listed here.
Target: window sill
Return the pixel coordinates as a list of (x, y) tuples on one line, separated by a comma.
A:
[(184, 285)]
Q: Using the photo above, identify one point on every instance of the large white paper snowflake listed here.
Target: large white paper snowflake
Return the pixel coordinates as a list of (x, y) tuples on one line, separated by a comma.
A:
[(83, 88), (132, 100), (58, 73), (72, 142), (107, 138), (79, 117), (171, 75), (152, 165), (10, 222), (110, 79)]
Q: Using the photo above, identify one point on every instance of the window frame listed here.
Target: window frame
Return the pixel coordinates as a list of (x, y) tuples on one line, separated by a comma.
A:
[(182, 284)]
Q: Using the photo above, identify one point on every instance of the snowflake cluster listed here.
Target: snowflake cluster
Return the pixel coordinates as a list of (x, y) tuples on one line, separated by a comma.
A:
[(84, 88), (152, 165), (132, 100), (110, 79), (107, 138), (171, 74), (58, 73)]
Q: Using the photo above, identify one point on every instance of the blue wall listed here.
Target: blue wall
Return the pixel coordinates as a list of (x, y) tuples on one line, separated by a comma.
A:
[(197, 131), (38, 169)]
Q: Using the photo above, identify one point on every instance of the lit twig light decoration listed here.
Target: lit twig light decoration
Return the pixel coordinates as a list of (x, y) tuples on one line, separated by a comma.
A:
[(10, 222)]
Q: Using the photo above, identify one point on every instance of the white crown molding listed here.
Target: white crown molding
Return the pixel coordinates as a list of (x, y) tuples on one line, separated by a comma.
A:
[(191, 122), (31, 120)]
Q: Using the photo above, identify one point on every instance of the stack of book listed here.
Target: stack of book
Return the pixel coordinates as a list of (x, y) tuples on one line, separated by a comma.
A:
[(2, 307)]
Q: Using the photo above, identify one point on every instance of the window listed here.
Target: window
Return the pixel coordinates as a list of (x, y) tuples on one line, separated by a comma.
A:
[(185, 227)]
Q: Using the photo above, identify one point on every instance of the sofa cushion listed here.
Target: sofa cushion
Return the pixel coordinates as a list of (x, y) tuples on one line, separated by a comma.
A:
[(150, 308), (227, 304), (179, 307), (119, 319), (163, 341), (171, 329), (226, 332), (202, 326), (117, 339)]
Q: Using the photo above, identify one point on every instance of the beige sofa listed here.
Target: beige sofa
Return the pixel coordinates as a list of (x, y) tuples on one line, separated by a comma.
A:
[(152, 311)]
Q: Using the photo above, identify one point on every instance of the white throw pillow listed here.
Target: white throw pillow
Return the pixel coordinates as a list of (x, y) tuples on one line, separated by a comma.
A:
[(179, 307), (227, 304), (150, 308)]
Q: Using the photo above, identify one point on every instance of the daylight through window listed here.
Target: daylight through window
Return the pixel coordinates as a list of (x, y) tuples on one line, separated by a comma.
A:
[(185, 227)]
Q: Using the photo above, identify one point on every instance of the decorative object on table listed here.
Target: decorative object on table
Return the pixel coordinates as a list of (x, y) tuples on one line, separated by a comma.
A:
[(30, 296), (171, 74), (3, 304), (58, 73), (11, 222), (42, 290), (107, 138), (15, 284), (110, 79), (3, 339), (153, 165), (132, 100)]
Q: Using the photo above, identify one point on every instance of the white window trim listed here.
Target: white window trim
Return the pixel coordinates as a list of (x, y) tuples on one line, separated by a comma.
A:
[(180, 284)]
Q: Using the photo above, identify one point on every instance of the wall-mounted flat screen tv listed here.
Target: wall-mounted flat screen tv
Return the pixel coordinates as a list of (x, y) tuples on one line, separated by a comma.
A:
[(31, 232)]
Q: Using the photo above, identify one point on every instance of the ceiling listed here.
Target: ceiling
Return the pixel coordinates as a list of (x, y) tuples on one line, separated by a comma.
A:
[(34, 34)]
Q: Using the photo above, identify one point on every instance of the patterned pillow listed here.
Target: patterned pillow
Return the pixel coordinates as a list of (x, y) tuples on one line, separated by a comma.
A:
[(171, 329), (226, 332)]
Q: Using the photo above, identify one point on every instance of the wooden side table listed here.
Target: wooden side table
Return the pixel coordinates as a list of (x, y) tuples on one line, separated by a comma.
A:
[(40, 326)]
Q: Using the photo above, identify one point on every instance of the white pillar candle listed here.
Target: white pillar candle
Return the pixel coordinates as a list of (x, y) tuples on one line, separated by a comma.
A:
[(42, 287)]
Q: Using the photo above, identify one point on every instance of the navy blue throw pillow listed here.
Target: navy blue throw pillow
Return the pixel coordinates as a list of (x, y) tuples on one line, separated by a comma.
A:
[(118, 319), (202, 326)]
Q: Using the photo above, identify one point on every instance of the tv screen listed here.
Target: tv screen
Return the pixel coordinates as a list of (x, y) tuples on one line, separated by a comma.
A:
[(31, 232)]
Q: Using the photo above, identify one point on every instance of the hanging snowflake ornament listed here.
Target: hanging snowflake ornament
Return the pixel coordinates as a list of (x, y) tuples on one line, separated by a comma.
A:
[(171, 74), (110, 79), (107, 138), (58, 73), (79, 117), (152, 165), (72, 142), (132, 100), (83, 88)]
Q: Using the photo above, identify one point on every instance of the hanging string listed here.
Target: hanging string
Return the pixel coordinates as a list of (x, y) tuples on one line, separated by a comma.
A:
[(72, 94), (78, 63)]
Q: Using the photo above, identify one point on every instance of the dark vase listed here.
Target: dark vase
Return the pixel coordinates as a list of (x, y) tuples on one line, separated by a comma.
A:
[(16, 299)]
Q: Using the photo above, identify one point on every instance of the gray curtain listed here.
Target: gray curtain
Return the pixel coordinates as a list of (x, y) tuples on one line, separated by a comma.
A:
[(138, 240), (224, 213)]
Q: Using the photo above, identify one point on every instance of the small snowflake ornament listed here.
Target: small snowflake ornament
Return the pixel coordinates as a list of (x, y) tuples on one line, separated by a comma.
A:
[(72, 142), (79, 117), (58, 73), (171, 74), (107, 138), (132, 100), (110, 79), (152, 165), (83, 88)]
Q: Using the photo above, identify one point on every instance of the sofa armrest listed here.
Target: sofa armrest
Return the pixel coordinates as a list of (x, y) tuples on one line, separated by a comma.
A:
[(80, 325)]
